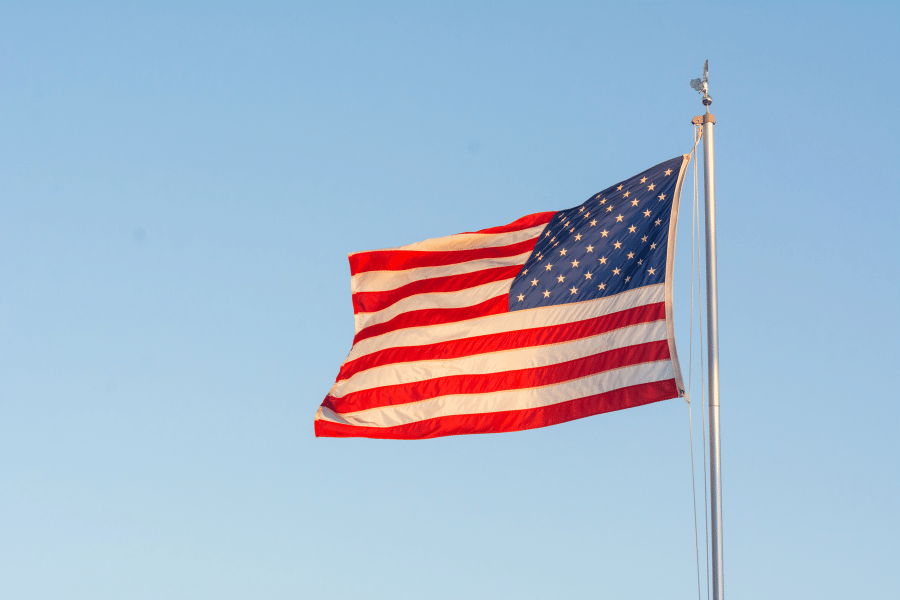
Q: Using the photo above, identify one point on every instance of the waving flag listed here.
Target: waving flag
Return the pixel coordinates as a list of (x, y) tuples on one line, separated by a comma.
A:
[(554, 317)]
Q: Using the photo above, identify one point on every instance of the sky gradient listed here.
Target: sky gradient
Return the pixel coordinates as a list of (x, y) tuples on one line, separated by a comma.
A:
[(181, 185)]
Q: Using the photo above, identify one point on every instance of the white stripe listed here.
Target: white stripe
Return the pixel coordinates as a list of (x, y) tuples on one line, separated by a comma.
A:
[(468, 241), (470, 404), (505, 360), (460, 299), (383, 281), (544, 316)]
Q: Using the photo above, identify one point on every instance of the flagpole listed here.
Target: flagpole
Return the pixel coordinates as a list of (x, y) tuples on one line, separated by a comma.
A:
[(712, 328)]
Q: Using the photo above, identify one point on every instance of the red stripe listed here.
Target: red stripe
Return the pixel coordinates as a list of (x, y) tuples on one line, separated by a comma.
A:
[(515, 420), (375, 301), (404, 393), (525, 222), (436, 316), (509, 340), (400, 260)]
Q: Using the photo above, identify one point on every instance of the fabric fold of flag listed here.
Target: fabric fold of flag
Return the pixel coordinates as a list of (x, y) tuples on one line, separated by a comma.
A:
[(554, 317)]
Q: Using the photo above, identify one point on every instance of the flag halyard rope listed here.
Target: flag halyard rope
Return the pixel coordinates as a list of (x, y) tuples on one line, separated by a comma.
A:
[(695, 248), (702, 396)]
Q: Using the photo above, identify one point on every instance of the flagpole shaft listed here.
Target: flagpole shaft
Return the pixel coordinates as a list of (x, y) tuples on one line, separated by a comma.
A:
[(712, 328)]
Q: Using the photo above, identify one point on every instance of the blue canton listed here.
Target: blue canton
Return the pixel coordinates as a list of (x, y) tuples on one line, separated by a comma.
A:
[(615, 241)]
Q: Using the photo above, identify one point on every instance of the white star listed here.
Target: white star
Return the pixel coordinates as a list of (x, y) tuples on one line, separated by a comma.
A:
[(603, 233), (644, 239), (546, 293), (602, 260), (619, 188), (578, 237), (587, 275), (618, 244), (534, 282), (661, 197), (615, 271), (562, 252), (651, 186), (573, 289), (571, 230), (653, 246), (590, 248), (560, 279), (603, 201), (567, 224), (647, 213), (652, 271), (602, 286), (609, 208), (668, 172), (632, 229), (631, 255), (525, 272), (643, 179), (640, 262), (547, 234), (627, 279), (586, 215), (582, 208), (658, 221), (625, 195), (574, 263), (520, 297), (619, 218), (549, 266), (594, 222)]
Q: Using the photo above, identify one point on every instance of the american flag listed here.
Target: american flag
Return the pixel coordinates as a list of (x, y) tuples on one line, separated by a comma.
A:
[(554, 317)]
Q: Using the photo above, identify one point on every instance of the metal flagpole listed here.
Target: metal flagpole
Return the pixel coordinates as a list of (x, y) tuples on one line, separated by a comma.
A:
[(712, 329)]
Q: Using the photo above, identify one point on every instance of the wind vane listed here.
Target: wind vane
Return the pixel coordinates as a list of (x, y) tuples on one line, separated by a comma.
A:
[(702, 85)]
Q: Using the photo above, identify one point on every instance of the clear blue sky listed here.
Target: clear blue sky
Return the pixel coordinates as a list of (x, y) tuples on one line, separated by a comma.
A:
[(180, 186)]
